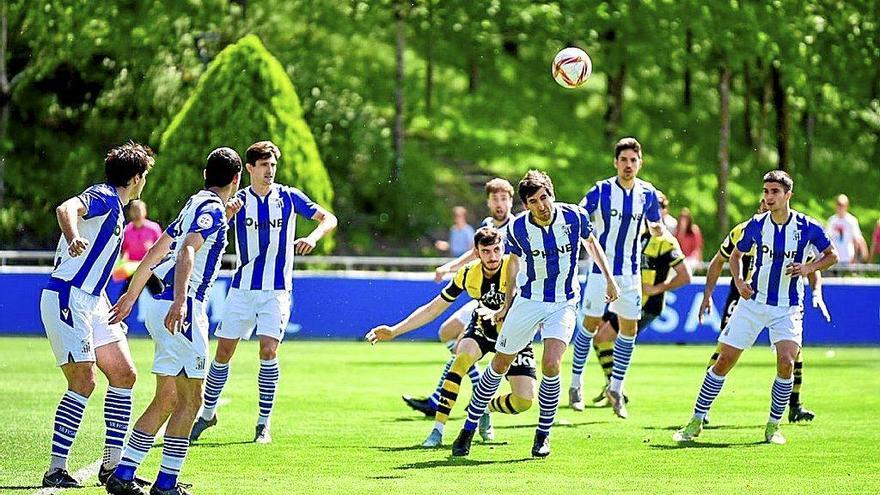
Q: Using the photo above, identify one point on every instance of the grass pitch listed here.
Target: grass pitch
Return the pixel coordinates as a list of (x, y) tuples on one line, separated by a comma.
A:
[(339, 426)]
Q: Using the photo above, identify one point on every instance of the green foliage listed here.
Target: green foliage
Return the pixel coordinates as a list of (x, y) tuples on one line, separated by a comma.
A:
[(245, 96)]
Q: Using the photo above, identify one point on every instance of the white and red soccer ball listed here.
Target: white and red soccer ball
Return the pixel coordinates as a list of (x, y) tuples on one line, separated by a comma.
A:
[(571, 67)]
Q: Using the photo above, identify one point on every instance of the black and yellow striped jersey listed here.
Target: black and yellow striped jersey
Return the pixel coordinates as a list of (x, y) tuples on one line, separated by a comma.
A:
[(659, 255), (488, 292), (729, 243)]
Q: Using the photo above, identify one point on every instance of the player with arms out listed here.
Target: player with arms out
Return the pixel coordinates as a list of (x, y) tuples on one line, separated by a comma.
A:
[(485, 280), (619, 207), (76, 312), (547, 238), (260, 294), (774, 299), (499, 200), (186, 261), (796, 411)]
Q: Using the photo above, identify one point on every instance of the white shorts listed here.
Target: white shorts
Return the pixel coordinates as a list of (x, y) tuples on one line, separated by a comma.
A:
[(466, 312), (555, 320), (184, 351), (750, 317), (77, 323), (266, 310), (628, 305)]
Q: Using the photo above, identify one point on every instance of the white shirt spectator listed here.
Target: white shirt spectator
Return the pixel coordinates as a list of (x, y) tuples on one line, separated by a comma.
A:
[(844, 232)]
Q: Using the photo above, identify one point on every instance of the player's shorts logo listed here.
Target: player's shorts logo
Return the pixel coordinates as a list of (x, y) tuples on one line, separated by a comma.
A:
[(65, 313), (86, 346), (200, 363)]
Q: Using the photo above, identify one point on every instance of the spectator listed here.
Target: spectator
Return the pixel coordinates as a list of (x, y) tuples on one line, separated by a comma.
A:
[(844, 231), (689, 237), (461, 235), (137, 238), (875, 244)]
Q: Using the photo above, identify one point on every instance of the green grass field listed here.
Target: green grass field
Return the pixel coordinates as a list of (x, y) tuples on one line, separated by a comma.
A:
[(339, 426)]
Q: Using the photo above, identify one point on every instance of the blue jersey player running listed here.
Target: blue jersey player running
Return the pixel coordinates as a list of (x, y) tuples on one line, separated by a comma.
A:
[(619, 206), (186, 260), (259, 298), (783, 239), (76, 313), (547, 238)]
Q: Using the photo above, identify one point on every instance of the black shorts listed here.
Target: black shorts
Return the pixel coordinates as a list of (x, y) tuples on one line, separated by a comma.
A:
[(646, 320), (523, 363), (729, 306)]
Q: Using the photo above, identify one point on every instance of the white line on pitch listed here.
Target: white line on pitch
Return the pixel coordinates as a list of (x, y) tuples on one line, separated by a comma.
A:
[(82, 475)]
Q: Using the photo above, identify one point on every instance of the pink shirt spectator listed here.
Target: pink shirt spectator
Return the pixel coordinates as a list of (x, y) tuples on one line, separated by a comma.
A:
[(136, 241)]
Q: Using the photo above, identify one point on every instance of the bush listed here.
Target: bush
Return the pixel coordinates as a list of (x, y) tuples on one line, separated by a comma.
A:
[(245, 96)]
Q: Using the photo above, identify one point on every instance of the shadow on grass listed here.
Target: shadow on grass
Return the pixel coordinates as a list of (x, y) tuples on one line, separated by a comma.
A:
[(222, 444), (706, 445), (408, 419), (555, 425), (458, 462), (707, 427), (22, 488)]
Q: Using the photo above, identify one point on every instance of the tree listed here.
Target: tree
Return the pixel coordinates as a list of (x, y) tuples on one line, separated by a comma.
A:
[(245, 96)]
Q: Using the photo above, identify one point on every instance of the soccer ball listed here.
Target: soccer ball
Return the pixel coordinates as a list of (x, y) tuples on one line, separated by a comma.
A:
[(571, 67)]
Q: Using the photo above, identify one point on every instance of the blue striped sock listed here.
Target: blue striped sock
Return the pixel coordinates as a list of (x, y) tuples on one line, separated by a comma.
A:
[(117, 415), (483, 392), (710, 389), (474, 373), (139, 443), (779, 396), (217, 376), (434, 399), (267, 382), (173, 455), (583, 340), (548, 400), (68, 417), (623, 350)]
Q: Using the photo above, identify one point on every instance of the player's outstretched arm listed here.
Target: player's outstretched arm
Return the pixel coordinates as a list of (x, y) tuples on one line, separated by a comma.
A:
[(418, 318), (67, 214), (326, 223), (827, 260), (182, 270), (454, 265), (815, 280), (712, 275), (157, 251), (682, 276), (612, 291)]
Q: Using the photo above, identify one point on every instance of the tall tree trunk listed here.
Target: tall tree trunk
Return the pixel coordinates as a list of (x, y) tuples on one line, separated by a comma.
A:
[(780, 104), (5, 99), (614, 102), (688, 53), (747, 106), (764, 100), (724, 147), (809, 134), (429, 57), (473, 74), (398, 92)]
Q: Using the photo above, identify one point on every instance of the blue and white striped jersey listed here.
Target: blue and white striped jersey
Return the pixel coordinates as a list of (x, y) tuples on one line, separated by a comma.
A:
[(102, 227), (204, 213), (776, 247), (265, 229), (550, 253), (619, 216), (490, 222)]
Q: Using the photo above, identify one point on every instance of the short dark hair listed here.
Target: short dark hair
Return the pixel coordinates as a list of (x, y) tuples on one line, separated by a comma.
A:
[(532, 182), (780, 177), (627, 143), (223, 165), (260, 151), (499, 185), (486, 236), (126, 162)]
